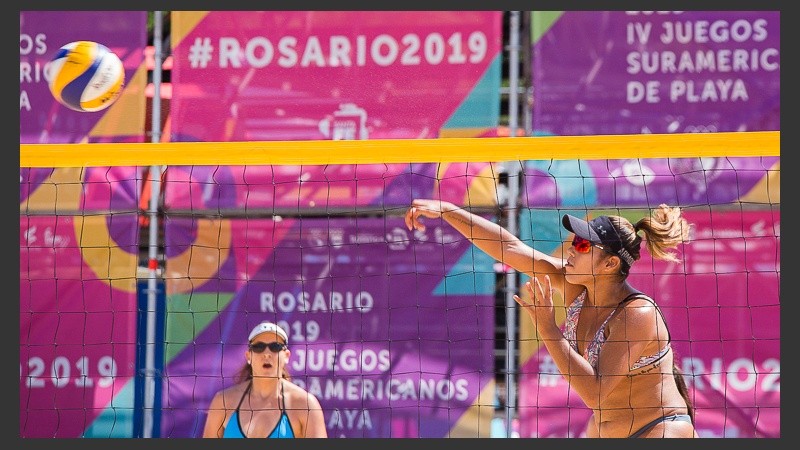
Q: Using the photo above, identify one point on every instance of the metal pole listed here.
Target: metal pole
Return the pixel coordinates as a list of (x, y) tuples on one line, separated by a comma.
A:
[(513, 168), (152, 263)]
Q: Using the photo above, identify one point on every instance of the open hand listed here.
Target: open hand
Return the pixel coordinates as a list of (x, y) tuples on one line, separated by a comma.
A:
[(540, 305)]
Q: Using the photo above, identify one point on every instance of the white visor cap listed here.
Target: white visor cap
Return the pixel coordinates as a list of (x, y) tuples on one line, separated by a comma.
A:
[(266, 327)]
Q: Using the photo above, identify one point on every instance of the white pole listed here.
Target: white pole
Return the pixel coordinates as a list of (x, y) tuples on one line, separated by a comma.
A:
[(152, 263), (513, 169)]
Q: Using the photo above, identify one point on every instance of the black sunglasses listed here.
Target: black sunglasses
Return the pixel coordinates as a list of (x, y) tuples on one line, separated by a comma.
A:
[(274, 347)]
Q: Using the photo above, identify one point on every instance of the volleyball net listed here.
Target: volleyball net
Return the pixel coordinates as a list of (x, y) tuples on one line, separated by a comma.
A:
[(144, 266)]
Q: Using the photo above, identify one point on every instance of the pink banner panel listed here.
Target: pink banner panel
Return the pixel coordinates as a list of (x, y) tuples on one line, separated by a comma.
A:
[(311, 75), (316, 75), (78, 312), (722, 304), (331, 188)]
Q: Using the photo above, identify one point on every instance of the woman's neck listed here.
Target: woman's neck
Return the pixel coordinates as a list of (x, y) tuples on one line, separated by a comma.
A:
[(608, 293), (265, 386)]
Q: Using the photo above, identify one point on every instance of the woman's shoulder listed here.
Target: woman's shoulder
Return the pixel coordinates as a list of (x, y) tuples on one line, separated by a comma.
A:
[(639, 301), (297, 395), (639, 310), (293, 389)]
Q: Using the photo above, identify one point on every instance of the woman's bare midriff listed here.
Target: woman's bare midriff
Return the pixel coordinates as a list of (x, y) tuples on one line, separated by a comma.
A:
[(636, 402)]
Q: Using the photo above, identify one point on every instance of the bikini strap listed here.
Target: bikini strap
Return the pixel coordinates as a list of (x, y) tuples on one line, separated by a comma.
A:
[(244, 394), (283, 397), (633, 297), (643, 296)]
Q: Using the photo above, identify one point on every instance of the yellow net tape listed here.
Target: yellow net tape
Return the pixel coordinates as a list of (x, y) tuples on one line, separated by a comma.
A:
[(688, 145)]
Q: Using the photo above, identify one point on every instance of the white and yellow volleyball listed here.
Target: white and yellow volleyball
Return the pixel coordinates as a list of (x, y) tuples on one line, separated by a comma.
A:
[(86, 76)]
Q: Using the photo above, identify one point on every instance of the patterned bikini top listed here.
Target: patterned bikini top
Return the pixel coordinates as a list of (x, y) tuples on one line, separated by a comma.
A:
[(593, 349)]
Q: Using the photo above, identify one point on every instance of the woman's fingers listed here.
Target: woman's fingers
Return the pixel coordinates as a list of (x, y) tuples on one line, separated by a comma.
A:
[(529, 286), (543, 291), (523, 303), (418, 210), (548, 287), (412, 219)]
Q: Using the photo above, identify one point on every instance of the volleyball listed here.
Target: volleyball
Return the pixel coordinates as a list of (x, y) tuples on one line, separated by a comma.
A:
[(86, 76)]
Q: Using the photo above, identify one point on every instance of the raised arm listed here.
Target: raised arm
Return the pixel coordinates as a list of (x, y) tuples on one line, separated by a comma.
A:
[(490, 237)]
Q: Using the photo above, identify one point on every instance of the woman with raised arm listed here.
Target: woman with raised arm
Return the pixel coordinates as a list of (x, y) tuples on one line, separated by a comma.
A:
[(264, 403), (614, 350)]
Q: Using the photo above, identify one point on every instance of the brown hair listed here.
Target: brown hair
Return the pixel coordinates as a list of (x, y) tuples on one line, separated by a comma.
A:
[(664, 229)]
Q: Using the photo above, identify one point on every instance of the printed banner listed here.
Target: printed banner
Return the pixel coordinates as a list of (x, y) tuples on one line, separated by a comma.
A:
[(306, 75), (722, 304), (42, 119), (315, 75), (648, 182), (70, 190), (393, 331), (632, 72), (332, 188), (77, 341)]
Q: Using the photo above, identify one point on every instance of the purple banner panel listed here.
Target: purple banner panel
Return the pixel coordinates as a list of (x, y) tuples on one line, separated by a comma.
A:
[(42, 120), (648, 182), (327, 188), (632, 72), (77, 341), (319, 75), (722, 304), (392, 330)]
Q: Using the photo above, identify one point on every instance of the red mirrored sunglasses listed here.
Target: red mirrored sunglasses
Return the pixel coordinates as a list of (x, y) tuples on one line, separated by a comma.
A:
[(581, 245)]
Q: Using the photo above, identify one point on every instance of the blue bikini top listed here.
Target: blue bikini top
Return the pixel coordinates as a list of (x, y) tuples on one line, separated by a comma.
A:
[(283, 429)]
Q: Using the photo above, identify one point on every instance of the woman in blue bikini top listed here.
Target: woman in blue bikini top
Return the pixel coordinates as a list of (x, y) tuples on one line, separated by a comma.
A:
[(264, 402), (283, 429), (615, 351)]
